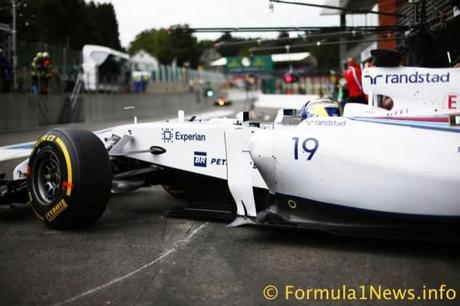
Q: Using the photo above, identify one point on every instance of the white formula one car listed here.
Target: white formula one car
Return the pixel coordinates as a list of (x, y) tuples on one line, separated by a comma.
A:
[(372, 171)]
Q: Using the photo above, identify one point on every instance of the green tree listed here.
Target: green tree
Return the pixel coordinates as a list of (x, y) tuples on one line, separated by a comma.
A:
[(70, 22), (173, 44)]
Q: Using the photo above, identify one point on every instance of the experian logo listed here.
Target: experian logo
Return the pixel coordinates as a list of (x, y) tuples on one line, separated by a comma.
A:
[(410, 78), (169, 135)]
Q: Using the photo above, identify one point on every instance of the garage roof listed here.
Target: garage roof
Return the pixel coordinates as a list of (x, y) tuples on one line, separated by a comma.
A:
[(350, 4), (291, 57)]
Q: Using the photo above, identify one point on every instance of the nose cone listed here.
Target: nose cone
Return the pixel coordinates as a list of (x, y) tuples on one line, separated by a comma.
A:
[(261, 148)]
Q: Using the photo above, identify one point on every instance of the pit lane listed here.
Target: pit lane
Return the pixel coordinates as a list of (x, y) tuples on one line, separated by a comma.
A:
[(137, 254)]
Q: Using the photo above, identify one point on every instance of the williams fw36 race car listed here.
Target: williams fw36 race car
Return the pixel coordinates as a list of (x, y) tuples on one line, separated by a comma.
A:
[(391, 170)]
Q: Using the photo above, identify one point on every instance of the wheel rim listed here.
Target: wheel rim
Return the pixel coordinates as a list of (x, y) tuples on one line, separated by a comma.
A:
[(48, 178)]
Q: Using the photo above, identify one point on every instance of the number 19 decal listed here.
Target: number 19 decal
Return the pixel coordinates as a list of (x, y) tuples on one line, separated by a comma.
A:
[(309, 146)]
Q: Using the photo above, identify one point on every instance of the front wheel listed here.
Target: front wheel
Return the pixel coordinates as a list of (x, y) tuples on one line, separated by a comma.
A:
[(70, 178)]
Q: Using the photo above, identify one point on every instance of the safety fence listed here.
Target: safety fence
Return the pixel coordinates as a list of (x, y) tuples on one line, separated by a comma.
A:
[(66, 68), (310, 85), (64, 60), (169, 74), (165, 76)]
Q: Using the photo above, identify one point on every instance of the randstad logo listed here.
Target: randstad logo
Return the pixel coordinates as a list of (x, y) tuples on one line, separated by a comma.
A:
[(409, 78)]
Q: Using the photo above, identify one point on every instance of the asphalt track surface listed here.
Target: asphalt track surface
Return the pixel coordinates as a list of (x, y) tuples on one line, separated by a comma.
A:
[(139, 255)]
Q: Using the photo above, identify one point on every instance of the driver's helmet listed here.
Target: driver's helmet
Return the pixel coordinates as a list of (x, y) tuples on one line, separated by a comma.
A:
[(319, 108)]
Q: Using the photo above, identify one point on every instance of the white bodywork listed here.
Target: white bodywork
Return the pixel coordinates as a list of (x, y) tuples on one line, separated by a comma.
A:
[(384, 165), (364, 165), (357, 164)]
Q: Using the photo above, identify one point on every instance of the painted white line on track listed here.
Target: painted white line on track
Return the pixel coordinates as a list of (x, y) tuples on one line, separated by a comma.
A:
[(180, 243)]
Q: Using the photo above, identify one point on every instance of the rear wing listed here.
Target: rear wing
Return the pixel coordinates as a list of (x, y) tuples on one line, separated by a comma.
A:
[(436, 89)]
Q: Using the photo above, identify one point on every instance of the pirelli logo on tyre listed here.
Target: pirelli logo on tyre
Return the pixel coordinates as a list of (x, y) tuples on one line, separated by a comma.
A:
[(50, 138), (56, 210)]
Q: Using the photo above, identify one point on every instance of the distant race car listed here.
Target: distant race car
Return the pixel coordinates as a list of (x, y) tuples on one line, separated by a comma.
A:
[(372, 171), (222, 101)]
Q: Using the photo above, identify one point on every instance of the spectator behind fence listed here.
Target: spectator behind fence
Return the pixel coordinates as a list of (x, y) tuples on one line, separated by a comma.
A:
[(342, 96), (41, 70), (137, 81), (353, 77)]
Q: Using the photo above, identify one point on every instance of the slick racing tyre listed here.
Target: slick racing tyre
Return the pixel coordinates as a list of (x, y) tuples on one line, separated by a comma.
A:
[(69, 178)]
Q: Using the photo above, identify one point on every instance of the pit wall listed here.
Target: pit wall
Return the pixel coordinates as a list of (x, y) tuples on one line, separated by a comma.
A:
[(27, 111)]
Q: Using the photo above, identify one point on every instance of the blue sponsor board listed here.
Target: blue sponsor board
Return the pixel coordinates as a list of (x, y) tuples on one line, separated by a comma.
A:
[(200, 159)]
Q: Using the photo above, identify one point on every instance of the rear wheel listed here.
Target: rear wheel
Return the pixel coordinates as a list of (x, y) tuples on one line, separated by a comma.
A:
[(70, 178)]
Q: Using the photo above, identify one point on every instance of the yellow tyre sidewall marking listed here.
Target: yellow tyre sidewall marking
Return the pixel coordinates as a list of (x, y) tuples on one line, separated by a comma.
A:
[(68, 164), (62, 205), (35, 212)]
